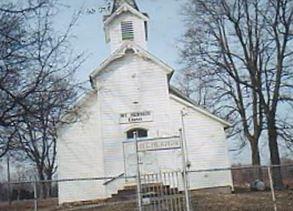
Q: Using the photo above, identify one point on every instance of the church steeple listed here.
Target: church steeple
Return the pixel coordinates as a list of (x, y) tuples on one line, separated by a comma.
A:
[(118, 3), (126, 24)]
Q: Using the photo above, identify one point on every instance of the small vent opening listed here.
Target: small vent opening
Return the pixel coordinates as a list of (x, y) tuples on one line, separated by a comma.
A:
[(127, 30), (129, 51)]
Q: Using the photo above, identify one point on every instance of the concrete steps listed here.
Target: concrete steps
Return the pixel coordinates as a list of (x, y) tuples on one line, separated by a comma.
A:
[(148, 191)]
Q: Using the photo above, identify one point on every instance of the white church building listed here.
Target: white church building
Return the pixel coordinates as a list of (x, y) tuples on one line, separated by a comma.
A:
[(131, 91)]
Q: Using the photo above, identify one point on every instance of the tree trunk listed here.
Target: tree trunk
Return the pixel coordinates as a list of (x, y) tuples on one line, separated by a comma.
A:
[(255, 157), (49, 185), (275, 155), (43, 187)]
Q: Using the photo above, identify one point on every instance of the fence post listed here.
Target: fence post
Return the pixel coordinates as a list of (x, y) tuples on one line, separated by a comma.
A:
[(35, 196), (272, 188), (137, 173), (8, 179)]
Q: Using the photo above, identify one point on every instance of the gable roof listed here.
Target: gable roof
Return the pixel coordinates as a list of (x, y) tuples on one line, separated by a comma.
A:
[(179, 96), (123, 8), (137, 50), (118, 3)]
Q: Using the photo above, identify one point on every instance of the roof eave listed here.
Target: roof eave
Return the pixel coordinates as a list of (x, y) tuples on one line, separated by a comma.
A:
[(138, 51)]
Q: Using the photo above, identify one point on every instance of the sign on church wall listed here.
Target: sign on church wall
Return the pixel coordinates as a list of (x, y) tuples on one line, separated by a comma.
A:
[(135, 117), (159, 144)]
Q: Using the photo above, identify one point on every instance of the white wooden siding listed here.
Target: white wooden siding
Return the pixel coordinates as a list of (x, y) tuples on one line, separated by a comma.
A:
[(80, 155), (115, 33), (128, 80), (207, 146)]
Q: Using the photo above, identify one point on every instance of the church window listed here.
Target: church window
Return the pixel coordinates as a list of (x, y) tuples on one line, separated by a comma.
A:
[(127, 30), (141, 133)]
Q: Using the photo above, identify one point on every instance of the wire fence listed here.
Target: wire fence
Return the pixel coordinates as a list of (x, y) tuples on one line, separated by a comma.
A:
[(254, 188)]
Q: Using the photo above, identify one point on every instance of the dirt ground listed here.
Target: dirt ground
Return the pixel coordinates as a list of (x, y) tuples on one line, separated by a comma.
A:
[(246, 201), (25, 205)]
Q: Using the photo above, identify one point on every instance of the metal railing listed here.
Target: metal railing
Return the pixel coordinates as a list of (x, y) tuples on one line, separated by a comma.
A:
[(113, 179)]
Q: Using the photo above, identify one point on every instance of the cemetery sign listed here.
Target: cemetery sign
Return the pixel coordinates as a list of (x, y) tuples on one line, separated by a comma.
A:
[(159, 144)]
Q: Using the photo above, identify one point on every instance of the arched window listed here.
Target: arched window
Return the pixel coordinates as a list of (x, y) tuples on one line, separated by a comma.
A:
[(141, 133)]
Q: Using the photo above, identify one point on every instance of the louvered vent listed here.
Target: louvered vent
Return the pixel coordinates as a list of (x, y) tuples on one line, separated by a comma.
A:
[(127, 30)]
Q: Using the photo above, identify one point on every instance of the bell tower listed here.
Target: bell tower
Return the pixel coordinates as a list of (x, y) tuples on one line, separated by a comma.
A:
[(126, 24)]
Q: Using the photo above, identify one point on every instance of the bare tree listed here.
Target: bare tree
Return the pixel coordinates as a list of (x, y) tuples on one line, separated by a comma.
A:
[(37, 134), (278, 76), (37, 85), (200, 93), (236, 49), (15, 45), (208, 51)]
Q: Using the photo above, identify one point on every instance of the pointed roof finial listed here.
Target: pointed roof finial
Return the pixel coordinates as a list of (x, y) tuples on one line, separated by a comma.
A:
[(118, 3)]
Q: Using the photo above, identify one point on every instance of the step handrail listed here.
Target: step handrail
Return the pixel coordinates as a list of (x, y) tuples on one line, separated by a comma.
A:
[(113, 179)]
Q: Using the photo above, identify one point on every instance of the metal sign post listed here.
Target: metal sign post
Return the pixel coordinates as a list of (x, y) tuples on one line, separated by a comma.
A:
[(137, 173), (184, 172)]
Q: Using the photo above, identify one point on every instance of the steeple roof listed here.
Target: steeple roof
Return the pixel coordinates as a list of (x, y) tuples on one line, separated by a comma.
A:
[(118, 3)]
